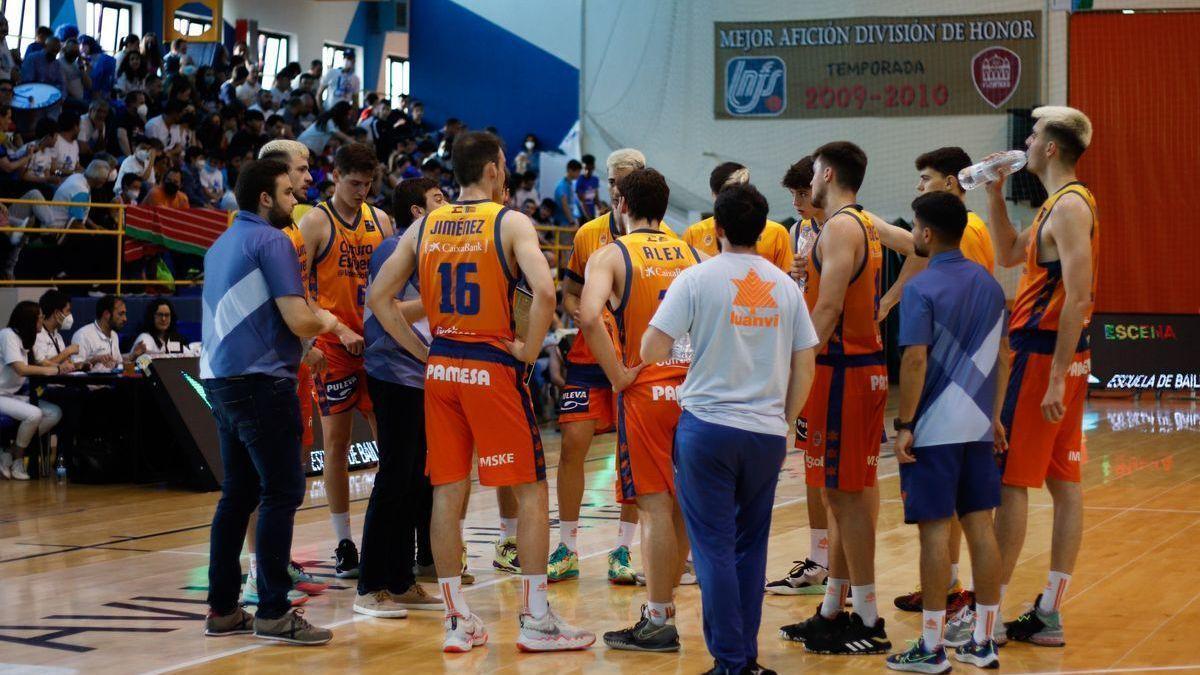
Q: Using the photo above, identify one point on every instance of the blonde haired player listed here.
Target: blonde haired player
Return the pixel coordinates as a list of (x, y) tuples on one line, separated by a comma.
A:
[(586, 403), (1047, 385), (773, 243)]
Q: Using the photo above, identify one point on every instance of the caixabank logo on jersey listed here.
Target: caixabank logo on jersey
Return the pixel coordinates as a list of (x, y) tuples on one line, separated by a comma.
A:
[(755, 86)]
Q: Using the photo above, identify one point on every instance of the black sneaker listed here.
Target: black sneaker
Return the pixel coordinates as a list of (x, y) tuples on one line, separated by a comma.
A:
[(644, 636), (854, 638), (752, 669), (1037, 628), (814, 625), (347, 560)]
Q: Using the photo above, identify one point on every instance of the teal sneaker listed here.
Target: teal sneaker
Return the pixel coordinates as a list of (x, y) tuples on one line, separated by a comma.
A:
[(563, 564), (620, 567), (250, 594), (918, 659)]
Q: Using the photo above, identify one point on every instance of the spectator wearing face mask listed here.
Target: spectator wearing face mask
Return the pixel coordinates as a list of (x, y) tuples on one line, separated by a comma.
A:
[(128, 123), (341, 84), (527, 159), (169, 193), (77, 83), (49, 348), (16, 341), (141, 162), (168, 129), (93, 128), (130, 192), (40, 171), (42, 66)]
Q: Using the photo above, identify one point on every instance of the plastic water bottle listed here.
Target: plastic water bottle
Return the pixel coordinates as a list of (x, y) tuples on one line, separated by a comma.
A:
[(60, 470), (989, 170), (807, 241)]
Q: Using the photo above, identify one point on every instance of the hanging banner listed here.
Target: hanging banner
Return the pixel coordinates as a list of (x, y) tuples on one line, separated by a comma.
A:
[(975, 64)]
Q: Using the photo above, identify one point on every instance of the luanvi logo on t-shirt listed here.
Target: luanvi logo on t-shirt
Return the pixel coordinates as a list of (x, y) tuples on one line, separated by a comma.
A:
[(754, 295)]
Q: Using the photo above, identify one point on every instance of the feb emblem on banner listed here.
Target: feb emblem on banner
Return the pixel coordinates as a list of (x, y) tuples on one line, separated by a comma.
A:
[(877, 66)]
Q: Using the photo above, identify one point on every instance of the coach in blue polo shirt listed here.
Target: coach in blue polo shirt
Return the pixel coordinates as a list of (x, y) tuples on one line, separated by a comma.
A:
[(255, 314), (952, 330)]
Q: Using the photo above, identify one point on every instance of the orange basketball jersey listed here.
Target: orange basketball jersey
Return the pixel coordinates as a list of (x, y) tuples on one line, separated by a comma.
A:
[(1040, 294), (652, 261), (466, 284), (772, 244), (293, 233), (339, 275), (589, 238), (856, 331)]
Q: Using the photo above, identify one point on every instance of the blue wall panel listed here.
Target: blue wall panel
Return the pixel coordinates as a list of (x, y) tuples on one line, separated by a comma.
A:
[(467, 67)]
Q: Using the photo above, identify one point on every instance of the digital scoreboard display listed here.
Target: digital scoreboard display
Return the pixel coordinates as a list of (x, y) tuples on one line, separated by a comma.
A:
[(1145, 351)]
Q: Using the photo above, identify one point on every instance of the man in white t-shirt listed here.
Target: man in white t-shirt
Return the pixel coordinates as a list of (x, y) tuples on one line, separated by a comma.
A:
[(99, 342), (168, 130), (752, 367), (340, 84)]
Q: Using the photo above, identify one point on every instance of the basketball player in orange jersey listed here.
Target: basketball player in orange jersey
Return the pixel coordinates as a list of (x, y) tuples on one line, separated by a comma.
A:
[(586, 402), (844, 412), (340, 235), (807, 577), (630, 277), (468, 256), (1047, 386), (702, 236), (938, 172)]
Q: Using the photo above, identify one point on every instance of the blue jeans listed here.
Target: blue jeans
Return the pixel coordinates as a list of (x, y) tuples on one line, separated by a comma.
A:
[(725, 480), (258, 422)]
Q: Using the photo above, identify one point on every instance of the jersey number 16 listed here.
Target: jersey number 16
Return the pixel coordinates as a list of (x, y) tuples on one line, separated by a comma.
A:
[(460, 295)]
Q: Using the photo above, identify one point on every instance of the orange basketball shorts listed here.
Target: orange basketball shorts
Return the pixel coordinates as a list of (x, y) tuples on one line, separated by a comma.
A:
[(587, 396), (477, 404), (1038, 449), (647, 414), (343, 385), (843, 419), (304, 391)]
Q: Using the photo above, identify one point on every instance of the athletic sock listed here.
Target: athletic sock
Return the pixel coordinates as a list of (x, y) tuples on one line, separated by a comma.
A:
[(508, 527), (932, 624), (1056, 590), (660, 611), (864, 604), (452, 596), (1000, 604), (818, 547), (835, 597), (625, 534), (341, 526), (533, 595), (253, 573), (953, 574), (986, 617), (568, 534)]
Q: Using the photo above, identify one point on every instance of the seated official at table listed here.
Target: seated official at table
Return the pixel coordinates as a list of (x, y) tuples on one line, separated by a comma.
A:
[(16, 341), (160, 332), (98, 342), (49, 347)]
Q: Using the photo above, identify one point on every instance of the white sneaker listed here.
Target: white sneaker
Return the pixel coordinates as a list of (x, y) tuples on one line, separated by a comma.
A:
[(5, 465), (464, 634), (380, 605), (551, 634), (689, 575), (18, 470)]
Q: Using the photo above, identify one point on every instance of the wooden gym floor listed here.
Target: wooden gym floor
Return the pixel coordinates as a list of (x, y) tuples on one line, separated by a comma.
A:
[(112, 579)]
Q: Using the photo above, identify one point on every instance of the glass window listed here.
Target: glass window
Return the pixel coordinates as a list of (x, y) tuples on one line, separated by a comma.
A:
[(333, 55), (397, 78), (191, 25), (22, 22), (273, 50), (108, 22)]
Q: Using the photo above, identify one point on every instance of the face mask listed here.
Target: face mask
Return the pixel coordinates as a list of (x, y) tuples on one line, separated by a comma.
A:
[(170, 187), (131, 195), (142, 110), (67, 322), (142, 155), (529, 145)]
